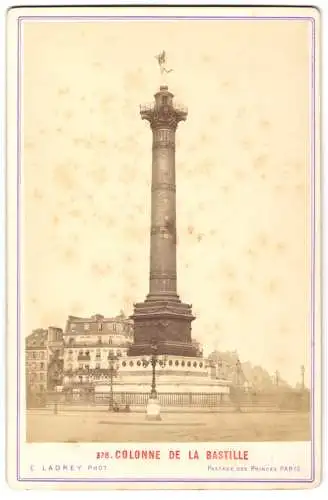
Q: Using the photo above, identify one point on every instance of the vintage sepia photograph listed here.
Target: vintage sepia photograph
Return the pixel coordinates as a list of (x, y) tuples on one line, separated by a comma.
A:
[(126, 224), (166, 232)]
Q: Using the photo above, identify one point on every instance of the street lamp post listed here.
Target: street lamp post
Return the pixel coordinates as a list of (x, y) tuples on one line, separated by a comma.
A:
[(277, 378), (302, 378), (238, 384), (111, 358), (238, 373), (53, 381), (219, 368), (153, 407), (153, 392), (247, 388)]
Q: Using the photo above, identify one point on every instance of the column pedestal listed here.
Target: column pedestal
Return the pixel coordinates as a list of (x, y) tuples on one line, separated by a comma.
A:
[(168, 322)]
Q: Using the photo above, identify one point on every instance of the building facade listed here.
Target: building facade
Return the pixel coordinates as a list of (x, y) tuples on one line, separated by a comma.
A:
[(91, 345), (79, 355), (36, 364)]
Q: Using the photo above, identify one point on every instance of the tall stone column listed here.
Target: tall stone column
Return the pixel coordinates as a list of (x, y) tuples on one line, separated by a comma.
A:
[(163, 122), (163, 317)]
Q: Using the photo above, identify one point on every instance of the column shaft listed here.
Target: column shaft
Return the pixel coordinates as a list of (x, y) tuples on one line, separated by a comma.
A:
[(163, 279)]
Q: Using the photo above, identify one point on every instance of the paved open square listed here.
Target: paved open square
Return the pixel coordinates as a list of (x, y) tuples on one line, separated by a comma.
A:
[(100, 426)]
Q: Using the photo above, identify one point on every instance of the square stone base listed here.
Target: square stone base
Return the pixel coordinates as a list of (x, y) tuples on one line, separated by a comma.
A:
[(166, 322), (153, 410)]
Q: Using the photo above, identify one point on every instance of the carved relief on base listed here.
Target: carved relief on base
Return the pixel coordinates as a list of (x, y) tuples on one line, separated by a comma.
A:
[(163, 330)]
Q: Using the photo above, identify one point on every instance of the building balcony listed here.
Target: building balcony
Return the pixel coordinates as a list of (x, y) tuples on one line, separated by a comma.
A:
[(181, 108), (119, 345), (78, 371), (84, 371), (148, 107), (83, 357)]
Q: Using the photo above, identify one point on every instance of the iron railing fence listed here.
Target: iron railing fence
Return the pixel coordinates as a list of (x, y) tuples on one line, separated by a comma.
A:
[(297, 401)]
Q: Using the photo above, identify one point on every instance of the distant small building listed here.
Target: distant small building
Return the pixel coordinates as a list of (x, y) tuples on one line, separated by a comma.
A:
[(36, 352), (198, 347)]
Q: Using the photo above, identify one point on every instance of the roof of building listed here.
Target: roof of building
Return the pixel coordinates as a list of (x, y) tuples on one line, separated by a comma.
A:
[(100, 318), (38, 338)]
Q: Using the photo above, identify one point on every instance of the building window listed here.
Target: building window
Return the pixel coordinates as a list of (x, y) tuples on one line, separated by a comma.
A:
[(70, 367), (118, 353), (41, 388), (138, 363), (86, 367), (200, 365), (195, 364), (131, 363), (70, 352), (189, 363), (124, 363), (41, 366), (86, 326), (41, 376), (34, 355), (41, 355), (99, 339), (80, 366), (170, 362), (73, 326), (182, 363), (177, 363), (97, 366)]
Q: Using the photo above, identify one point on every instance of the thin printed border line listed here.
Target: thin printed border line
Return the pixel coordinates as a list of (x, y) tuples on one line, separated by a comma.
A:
[(313, 242), (140, 480), (165, 18)]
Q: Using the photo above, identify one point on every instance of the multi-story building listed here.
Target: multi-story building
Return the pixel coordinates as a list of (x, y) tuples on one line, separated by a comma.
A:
[(44, 359), (81, 354), (36, 352), (89, 346)]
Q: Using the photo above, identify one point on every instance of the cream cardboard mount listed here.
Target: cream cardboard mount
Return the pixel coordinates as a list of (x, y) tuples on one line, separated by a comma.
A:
[(163, 248)]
